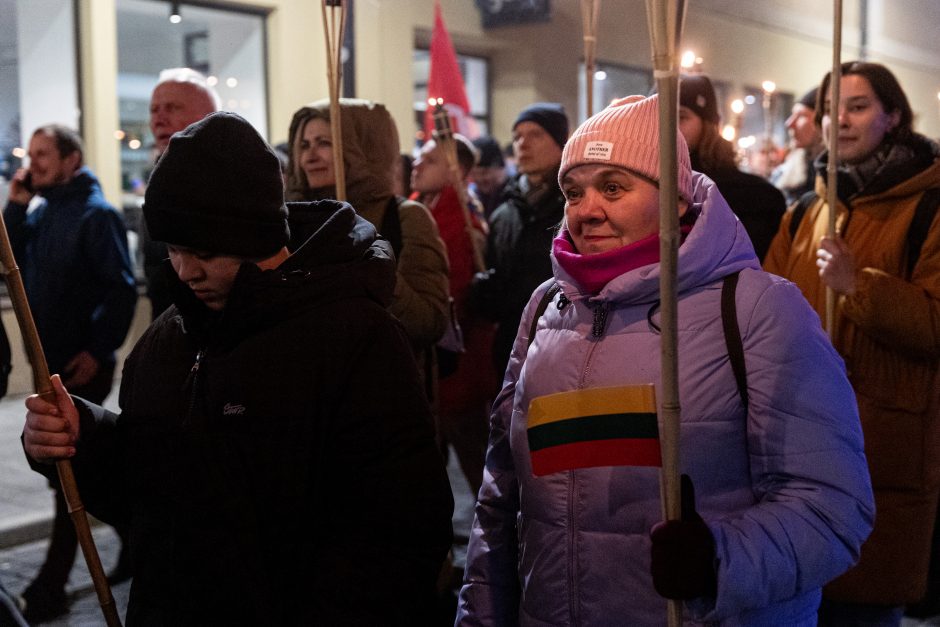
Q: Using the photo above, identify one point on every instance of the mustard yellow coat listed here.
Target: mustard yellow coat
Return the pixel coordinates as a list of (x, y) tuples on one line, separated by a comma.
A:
[(888, 332)]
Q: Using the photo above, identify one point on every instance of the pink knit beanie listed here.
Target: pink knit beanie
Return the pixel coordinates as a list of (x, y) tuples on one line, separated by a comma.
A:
[(626, 135)]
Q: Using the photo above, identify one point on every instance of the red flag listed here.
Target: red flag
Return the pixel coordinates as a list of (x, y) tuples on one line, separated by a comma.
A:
[(446, 83)]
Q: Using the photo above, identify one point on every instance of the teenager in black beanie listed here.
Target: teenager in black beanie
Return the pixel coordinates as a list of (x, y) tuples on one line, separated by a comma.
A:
[(274, 436)]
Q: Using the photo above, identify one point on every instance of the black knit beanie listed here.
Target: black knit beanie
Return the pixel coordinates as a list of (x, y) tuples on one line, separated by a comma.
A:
[(549, 115), (809, 98), (218, 188), (491, 155), (697, 93)]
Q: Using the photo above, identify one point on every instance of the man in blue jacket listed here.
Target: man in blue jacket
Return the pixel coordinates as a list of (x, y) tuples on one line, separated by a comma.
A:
[(71, 246)]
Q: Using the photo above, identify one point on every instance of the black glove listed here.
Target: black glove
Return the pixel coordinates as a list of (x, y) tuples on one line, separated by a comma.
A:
[(683, 554)]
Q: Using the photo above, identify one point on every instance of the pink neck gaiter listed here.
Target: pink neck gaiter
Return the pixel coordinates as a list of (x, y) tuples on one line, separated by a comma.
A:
[(593, 272)]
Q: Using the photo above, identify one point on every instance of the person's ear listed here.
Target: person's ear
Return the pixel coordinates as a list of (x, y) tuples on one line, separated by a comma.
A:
[(894, 118), (73, 161)]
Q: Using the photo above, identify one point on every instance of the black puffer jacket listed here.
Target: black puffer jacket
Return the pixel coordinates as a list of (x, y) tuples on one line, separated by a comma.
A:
[(276, 461), (518, 257)]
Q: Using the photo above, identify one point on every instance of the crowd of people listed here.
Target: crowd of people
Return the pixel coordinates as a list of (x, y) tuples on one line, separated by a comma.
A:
[(286, 418)]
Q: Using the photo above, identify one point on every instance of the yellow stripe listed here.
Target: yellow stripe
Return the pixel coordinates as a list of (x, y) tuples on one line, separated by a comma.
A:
[(592, 402)]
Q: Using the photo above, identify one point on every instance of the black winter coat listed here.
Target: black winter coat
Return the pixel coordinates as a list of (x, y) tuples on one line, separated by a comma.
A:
[(518, 258), (276, 462)]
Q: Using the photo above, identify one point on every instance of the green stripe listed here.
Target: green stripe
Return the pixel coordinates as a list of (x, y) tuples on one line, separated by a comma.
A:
[(600, 427)]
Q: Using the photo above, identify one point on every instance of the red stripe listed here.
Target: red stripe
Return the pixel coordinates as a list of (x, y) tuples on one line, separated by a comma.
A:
[(620, 452)]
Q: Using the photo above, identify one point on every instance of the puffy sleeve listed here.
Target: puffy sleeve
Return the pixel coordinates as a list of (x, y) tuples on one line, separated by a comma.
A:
[(814, 504), (422, 287), (490, 594), (904, 314)]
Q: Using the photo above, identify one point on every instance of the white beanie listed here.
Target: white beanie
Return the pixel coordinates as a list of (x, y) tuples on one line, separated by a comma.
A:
[(626, 135)]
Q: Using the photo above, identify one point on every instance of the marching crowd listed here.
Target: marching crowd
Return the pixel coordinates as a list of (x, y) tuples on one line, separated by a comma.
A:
[(286, 417)]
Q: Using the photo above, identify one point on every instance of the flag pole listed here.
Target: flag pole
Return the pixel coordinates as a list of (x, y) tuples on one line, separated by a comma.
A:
[(43, 387), (666, 19), (832, 184), (334, 29), (590, 9)]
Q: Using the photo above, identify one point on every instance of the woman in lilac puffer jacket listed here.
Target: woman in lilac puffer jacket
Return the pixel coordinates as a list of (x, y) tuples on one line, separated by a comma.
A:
[(784, 496)]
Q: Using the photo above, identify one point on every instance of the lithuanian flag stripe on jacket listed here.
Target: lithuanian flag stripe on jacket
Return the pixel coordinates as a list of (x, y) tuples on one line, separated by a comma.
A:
[(614, 426)]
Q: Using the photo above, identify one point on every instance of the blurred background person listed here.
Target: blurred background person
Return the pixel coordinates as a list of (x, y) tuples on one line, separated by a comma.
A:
[(488, 176), (757, 203), (797, 174)]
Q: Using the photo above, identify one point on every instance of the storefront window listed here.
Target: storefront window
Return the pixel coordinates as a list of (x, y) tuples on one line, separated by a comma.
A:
[(226, 45), (38, 76)]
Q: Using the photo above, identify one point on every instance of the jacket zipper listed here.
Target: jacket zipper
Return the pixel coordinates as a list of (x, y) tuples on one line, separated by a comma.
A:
[(599, 325), (192, 380)]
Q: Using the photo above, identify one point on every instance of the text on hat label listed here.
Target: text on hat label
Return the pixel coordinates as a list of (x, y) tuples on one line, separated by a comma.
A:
[(598, 150)]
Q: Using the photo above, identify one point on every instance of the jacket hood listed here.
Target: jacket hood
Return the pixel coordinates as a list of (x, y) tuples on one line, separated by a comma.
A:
[(370, 152), (716, 246), (335, 254)]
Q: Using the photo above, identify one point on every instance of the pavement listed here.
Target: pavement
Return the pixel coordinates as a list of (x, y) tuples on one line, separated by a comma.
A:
[(26, 513), (26, 510)]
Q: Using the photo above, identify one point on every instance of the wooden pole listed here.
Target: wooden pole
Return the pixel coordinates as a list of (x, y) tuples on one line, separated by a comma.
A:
[(665, 25), (590, 9), (43, 386), (334, 30), (832, 198), (444, 136)]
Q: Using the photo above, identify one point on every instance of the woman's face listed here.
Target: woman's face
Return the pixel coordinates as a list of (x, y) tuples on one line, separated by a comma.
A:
[(690, 125), (608, 207), (863, 121), (314, 154)]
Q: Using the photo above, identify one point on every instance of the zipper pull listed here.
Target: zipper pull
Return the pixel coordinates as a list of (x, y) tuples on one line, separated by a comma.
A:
[(562, 301), (195, 369), (600, 319)]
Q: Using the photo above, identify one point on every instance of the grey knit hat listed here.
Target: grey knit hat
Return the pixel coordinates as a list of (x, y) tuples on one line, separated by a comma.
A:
[(218, 188)]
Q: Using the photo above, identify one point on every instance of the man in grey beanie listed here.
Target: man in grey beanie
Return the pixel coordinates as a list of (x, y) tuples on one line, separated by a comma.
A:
[(522, 228), (272, 418)]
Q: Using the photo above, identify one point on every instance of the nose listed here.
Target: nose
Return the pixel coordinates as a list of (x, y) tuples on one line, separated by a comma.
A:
[(791, 122), (188, 267), (590, 208)]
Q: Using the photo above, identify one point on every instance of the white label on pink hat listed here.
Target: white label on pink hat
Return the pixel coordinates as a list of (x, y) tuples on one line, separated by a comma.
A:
[(600, 151)]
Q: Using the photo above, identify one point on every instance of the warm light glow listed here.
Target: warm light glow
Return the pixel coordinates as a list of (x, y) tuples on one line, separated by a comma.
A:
[(749, 99), (119, 135), (231, 81), (938, 95), (769, 86), (688, 59), (737, 106), (600, 75), (133, 144), (212, 81), (175, 19), (747, 142), (728, 132), (18, 152)]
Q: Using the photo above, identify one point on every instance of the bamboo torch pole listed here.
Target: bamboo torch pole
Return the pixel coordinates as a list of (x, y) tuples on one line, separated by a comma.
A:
[(832, 198), (334, 30), (590, 9), (665, 25), (43, 386)]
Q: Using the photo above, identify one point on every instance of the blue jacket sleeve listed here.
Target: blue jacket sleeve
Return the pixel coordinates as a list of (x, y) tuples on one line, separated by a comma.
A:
[(808, 469), (106, 246), (490, 594)]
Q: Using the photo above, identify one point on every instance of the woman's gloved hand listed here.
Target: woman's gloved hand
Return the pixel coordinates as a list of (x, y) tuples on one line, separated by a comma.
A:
[(683, 553)]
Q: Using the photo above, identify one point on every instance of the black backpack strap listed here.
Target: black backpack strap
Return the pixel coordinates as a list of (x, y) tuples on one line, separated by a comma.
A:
[(729, 321), (547, 297), (391, 225), (799, 211), (924, 216)]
